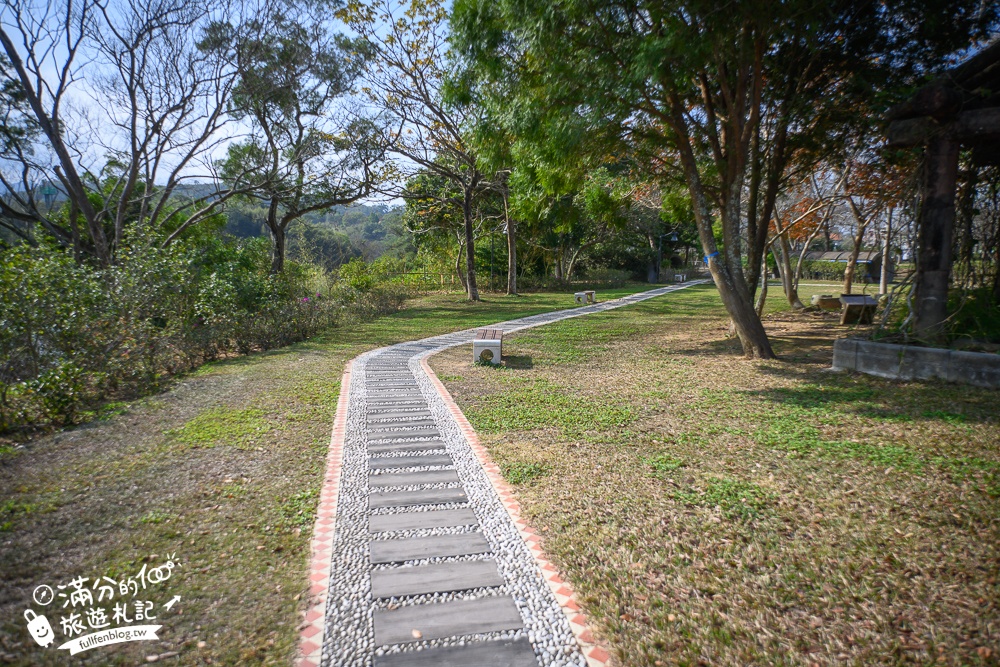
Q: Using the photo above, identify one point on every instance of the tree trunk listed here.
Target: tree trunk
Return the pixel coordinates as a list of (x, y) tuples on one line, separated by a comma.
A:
[(883, 279), (934, 237), (458, 265), (741, 308), (852, 261), (787, 278), (654, 268), (762, 294), (277, 238), (726, 270), (75, 230), (572, 260), (511, 258), (470, 248), (996, 273), (802, 257)]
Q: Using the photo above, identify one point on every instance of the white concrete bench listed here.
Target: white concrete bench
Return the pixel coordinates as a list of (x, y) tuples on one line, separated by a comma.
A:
[(587, 296), (488, 346)]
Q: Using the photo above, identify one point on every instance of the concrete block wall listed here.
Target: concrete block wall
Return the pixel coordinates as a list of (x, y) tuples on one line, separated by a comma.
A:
[(909, 362)]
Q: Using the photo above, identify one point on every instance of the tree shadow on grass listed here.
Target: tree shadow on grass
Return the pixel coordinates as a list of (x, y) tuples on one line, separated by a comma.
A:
[(878, 398), (519, 361)]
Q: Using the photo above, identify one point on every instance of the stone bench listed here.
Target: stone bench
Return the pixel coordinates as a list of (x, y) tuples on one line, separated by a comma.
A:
[(586, 296), (488, 346)]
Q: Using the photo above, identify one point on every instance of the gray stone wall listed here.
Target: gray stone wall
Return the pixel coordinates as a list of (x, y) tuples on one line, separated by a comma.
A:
[(908, 362)]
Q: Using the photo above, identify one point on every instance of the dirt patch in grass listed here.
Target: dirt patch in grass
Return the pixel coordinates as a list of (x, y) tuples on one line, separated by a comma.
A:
[(224, 470), (737, 512)]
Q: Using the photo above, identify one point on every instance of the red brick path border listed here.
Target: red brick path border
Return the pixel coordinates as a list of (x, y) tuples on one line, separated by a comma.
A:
[(311, 635)]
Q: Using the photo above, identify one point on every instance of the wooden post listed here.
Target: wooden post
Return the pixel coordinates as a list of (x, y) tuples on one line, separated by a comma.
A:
[(935, 228)]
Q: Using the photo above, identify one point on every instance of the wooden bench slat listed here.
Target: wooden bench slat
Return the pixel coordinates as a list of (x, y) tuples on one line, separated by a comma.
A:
[(489, 334)]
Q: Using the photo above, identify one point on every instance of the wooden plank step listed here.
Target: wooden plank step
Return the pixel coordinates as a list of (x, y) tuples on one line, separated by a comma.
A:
[(435, 546), (380, 523), (394, 395), (399, 582), (422, 497), (503, 653), (396, 403), (392, 427), (374, 415), (412, 478), (418, 446), (445, 619), (409, 461), (408, 433)]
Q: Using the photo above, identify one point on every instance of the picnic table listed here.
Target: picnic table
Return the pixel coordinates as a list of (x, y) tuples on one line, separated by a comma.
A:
[(857, 309)]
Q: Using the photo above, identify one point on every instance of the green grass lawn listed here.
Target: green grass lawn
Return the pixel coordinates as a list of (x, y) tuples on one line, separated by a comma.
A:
[(223, 470), (715, 511)]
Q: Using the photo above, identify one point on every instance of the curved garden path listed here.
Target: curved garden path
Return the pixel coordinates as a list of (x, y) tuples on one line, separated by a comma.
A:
[(419, 555)]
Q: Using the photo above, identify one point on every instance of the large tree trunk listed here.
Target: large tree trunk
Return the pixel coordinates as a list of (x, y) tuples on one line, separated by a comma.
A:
[(277, 238), (935, 228), (726, 270), (757, 227), (470, 249), (736, 298)]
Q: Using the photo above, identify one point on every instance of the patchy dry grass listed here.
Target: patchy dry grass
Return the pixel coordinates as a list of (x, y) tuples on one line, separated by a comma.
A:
[(224, 470), (715, 511)]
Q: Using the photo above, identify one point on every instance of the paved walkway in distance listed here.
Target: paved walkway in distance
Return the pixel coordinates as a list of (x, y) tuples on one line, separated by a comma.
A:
[(418, 560)]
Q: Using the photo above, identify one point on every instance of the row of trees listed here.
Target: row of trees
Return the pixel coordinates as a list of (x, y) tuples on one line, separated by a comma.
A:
[(568, 123), (736, 106)]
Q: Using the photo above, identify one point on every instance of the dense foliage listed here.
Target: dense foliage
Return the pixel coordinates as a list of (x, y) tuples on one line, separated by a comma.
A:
[(72, 335)]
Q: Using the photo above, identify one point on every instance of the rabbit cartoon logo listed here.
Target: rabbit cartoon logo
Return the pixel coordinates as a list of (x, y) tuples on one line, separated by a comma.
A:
[(39, 628)]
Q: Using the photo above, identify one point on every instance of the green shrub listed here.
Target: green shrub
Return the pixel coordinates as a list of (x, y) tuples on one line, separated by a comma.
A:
[(72, 336)]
